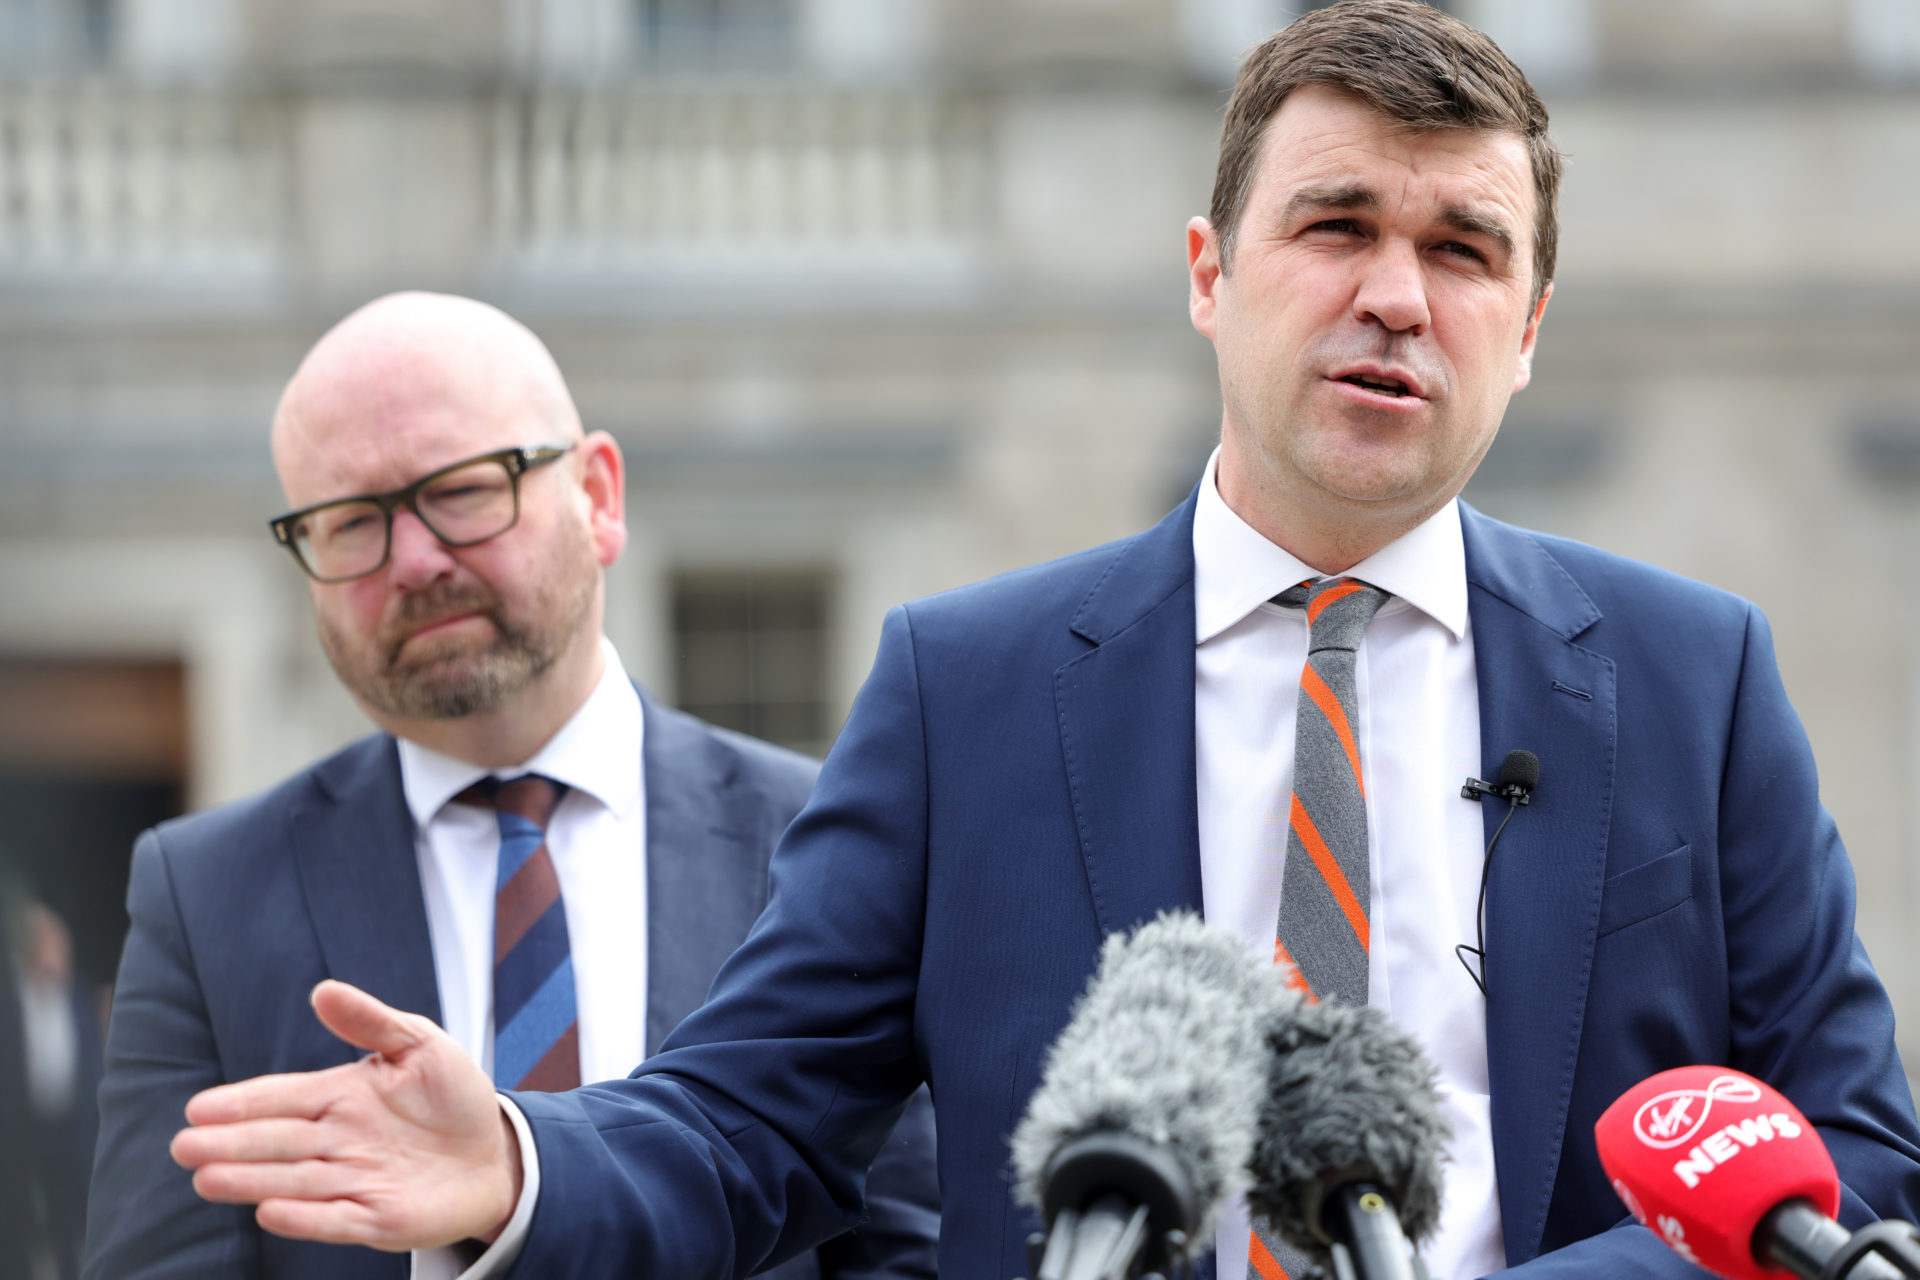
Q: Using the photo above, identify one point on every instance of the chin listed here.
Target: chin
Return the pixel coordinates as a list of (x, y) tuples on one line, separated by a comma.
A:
[(1369, 487), (449, 689), (436, 670)]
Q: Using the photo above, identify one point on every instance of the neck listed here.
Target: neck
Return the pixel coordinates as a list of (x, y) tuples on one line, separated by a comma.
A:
[(1323, 531), (514, 732)]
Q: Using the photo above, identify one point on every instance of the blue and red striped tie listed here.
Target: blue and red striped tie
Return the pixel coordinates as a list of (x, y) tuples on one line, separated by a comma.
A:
[(536, 1027)]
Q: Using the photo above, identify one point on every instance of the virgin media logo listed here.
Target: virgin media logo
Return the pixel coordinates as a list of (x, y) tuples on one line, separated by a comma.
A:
[(1673, 1118)]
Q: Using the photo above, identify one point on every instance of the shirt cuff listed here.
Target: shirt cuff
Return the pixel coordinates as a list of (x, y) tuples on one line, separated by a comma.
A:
[(458, 1263)]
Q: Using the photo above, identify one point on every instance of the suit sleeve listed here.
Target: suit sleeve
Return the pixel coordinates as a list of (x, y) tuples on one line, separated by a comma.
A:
[(900, 1240), (145, 1220), (1807, 1012), (747, 1138)]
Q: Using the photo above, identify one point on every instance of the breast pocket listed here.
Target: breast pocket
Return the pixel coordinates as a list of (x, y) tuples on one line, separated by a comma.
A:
[(1645, 891)]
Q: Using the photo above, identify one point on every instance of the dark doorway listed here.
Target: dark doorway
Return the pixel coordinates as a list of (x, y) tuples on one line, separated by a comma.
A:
[(91, 753)]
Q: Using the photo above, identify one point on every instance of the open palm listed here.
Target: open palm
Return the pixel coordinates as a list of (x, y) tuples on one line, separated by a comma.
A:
[(405, 1149)]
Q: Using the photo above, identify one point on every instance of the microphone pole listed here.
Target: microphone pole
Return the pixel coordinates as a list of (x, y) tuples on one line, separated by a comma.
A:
[(1108, 1190), (1368, 1243), (1346, 1167), (1797, 1237)]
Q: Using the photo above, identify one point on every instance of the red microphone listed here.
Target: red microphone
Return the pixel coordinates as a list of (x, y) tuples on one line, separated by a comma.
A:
[(1728, 1173)]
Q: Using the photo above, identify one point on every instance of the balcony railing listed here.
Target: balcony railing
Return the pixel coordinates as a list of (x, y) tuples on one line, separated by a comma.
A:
[(98, 177), (694, 180)]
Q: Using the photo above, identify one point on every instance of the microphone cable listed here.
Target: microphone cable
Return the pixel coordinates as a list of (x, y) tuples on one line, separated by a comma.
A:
[(1519, 775)]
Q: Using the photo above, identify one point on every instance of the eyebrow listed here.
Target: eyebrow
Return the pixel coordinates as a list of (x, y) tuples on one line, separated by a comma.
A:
[(1479, 224), (1356, 198), (1306, 199)]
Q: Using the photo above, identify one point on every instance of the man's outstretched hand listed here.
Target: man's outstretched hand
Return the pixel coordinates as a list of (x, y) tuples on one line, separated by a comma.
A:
[(405, 1149)]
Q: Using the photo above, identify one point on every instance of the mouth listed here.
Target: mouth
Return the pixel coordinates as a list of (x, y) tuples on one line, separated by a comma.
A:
[(439, 625), (1380, 382), (1379, 388)]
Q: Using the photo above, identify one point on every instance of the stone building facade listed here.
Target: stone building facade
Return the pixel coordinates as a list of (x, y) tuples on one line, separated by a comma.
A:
[(881, 296)]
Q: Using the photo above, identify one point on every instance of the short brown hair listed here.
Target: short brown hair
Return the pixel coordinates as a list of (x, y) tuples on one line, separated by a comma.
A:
[(1411, 63)]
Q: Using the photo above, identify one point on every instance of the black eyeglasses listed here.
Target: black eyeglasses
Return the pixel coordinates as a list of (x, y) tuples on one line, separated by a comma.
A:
[(462, 504)]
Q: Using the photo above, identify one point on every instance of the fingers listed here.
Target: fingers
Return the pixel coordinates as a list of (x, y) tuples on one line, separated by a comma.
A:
[(251, 1142), (317, 1180), (363, 1021), (384, 1151), (331, 1222), (304, 1095)]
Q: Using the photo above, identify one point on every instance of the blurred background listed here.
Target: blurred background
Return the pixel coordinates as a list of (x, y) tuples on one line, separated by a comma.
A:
[(879, 296)]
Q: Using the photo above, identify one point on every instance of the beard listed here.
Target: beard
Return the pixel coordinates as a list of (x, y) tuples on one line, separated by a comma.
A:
[(450, 677)]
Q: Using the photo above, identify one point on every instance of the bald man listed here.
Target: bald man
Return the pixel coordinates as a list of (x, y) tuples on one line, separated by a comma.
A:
[(532, 853)]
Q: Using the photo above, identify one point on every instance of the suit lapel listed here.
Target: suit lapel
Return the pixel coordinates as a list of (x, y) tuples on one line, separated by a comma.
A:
[(354, 845), (1126, 729), (1540, 691), (702, 869)]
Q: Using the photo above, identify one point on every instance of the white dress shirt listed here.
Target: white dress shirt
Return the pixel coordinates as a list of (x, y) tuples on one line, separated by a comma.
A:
[(1419, 731), (597, 839)]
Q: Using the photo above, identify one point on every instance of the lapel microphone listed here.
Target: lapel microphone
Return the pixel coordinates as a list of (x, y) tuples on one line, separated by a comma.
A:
[(1519, 775)]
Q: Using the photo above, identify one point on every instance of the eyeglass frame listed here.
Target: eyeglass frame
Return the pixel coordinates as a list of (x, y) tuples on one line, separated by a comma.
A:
[(518, 460)]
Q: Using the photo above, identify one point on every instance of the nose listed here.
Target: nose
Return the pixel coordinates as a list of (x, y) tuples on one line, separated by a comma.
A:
[(416, 557), (1392, 290)]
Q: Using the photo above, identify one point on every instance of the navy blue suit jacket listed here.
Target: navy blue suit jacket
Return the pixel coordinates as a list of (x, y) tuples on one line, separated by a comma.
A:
[(237, 913), (1017, 780)]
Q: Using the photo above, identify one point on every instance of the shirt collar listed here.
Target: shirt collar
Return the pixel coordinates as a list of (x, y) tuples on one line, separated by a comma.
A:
[(597, 751), (1236, 570)]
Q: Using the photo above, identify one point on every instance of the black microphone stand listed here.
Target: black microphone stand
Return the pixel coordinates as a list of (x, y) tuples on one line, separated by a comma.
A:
[(1800, 1239), (1103, 1244), (1881, 1248), (1115, 1206), (1368, 1243)]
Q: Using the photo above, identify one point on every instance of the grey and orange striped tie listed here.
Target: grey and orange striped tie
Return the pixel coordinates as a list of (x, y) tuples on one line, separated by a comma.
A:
[(1322, 934), (536, 1027)]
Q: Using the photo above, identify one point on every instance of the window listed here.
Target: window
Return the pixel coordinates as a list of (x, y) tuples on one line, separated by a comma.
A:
[(1552, 41), (38, 34), (750, 653), (705, 35), (1443, 5), (1218, 33), (1886, 39)]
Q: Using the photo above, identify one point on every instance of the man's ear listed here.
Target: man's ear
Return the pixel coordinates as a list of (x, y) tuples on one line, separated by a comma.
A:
[(1203, 274), (1523, 370), (603, 481)]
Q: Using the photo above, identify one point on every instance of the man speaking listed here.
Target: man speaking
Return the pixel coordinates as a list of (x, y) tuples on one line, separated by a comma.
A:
[(1262, 708)]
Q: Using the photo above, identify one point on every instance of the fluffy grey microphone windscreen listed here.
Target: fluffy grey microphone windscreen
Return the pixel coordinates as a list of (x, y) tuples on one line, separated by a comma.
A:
[(1351, 1098), (1167, 1046)]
